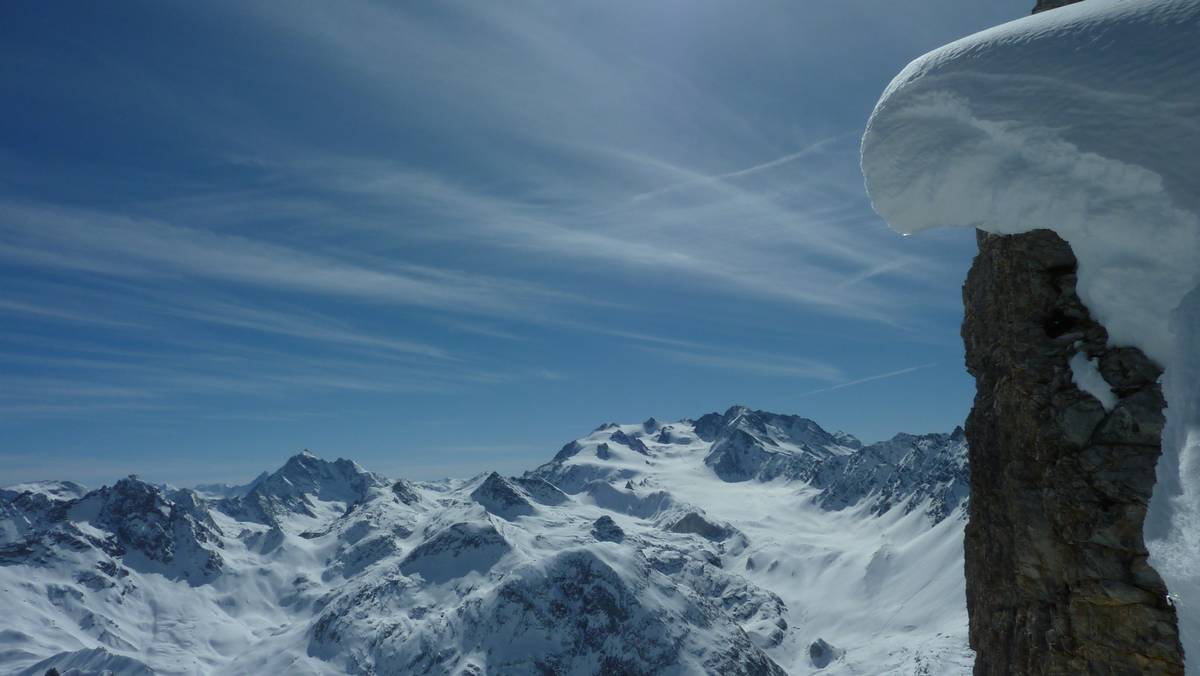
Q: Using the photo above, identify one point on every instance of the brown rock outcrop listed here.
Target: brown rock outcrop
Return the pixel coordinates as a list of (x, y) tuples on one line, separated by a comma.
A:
[(1056, 566)]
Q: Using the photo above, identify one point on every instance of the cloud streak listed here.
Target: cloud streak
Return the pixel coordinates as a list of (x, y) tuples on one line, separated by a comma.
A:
[(119, 246), (754, 363), (770, 164), (480, 208), (870, 379)]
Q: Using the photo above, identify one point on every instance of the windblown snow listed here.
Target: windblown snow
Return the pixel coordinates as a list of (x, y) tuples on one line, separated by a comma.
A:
[(737, 543), (1084, 120)]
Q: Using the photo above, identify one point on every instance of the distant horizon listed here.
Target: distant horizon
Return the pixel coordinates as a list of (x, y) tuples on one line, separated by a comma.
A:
[(514, 467)]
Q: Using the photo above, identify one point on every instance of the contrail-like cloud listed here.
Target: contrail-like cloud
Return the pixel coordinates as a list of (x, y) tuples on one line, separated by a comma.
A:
[(791, 157), (868, 379)]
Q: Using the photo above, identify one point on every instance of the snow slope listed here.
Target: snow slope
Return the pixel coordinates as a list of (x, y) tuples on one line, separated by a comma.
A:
[(1084, 120), (737, 543)]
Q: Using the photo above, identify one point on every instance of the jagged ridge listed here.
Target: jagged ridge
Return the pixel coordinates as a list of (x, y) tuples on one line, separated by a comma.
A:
[(622, 554)]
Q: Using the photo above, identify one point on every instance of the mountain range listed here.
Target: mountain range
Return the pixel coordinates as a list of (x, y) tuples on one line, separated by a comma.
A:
[(738, 543)]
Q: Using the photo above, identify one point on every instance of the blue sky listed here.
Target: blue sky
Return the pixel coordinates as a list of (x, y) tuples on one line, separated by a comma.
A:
[(440, 238)]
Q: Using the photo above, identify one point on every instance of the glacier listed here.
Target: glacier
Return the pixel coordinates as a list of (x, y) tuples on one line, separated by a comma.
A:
[(742, 542), (1086, 121)]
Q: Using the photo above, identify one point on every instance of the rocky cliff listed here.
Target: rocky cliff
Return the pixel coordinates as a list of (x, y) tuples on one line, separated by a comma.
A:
[(1061, 475), (1044, 5)]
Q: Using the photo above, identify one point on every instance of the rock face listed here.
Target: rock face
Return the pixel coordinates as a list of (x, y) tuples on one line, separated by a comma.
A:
[(749, 445), (605, 529), (1044, 5), (130, 523), (1056, 567), (925, 469), (500, 497), (292, 488)]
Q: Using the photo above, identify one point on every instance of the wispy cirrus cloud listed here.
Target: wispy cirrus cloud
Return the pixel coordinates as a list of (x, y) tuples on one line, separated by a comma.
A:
[(718, 179), (575, 171), (761, 241), (308, 326), (870, 379), (754, 363), (120, 246), (461, 209), (9, 306)]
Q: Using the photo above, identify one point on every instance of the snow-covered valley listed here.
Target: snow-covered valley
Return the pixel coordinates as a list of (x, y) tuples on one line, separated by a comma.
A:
[(737, 543)]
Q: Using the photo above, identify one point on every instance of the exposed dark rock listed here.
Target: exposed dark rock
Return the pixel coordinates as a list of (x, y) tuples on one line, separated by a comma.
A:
[(604, 625), (821, 654), (633, 443), (927, 470), (1056, 567), (761, 614), (1044, 5), (607, 530), (760, 445), (540, 490), (603, 452), (28, 512), (405, 492), (696, 524), (147, 528), (172, 535), (292, 488), (708, 425), (569, 449), (500, 497), (356, 558), (455, 551)]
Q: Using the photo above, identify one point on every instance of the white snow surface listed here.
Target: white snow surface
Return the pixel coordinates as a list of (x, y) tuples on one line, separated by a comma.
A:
[(1085, 373), (688, 574), (1084, 120)]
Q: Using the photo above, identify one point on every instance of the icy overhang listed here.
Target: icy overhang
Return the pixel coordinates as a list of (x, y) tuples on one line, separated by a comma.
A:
[(1084, 120)]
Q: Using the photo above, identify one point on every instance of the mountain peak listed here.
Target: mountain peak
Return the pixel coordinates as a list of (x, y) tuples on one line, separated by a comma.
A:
[(174, 537), (292, 488), (744, 444), (737, 410), (633, 443), (305, 458), (501, 497), (308, 463)]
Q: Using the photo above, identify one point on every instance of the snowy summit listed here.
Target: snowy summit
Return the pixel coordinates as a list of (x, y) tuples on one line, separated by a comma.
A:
[(737, 543)]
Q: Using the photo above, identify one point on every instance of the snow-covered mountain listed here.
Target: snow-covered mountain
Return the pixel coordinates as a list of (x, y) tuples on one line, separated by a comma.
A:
[(737, 543)]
